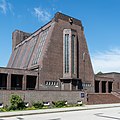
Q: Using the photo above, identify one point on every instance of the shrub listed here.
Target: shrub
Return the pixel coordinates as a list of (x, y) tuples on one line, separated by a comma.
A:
[(59, 104), (45, 107), (3, 110), (31, 108), (16, 103), (38, 105)]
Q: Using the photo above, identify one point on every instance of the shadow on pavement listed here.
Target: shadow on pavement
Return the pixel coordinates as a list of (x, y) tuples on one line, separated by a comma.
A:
[(55, 119), (101, 115)]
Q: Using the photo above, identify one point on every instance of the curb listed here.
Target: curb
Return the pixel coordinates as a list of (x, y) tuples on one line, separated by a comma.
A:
[(58, 111)]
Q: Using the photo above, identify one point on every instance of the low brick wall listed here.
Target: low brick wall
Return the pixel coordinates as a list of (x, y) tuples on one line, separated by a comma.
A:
[(102, 98), (34, 96)]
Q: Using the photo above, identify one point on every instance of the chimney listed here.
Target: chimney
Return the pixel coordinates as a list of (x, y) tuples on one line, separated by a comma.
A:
[(17, 37)]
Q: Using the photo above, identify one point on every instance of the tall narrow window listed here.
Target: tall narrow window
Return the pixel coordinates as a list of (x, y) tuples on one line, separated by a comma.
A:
[(118, 85), (70, 53), (66, 53), (30, 49), (42, 41), (73, 50)]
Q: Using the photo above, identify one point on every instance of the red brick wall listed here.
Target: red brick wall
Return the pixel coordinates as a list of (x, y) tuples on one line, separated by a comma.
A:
[(102, 98), (35, 96)]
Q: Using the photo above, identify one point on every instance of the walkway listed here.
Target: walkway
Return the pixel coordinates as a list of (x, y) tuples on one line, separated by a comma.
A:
[(56, 110)]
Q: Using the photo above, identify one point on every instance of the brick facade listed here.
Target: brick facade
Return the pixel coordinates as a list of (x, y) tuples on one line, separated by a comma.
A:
[(43, 51), (43, 96), (102, 98), (48, 60), (112, 77)]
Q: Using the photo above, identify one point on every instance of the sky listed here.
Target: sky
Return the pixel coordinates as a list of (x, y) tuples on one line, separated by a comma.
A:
[(100, 18)]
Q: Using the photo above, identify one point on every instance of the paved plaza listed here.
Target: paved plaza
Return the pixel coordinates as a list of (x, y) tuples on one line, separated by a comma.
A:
[(91, 113)]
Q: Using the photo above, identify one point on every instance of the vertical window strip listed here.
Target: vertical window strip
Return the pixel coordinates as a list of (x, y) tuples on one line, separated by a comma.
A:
[(32, 45), (40, 46), (73, 44), (66, 53)]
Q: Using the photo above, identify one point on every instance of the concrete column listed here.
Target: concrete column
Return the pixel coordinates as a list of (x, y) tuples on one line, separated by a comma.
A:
[(37, 83), (106, 86), (112, 86), (100, 87), (24, 82), (62, 86), (77, 85), (71, 85), (9, 81)]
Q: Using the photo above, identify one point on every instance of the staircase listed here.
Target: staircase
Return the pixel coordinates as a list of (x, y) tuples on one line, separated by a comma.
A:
[(103, 98), (117, 94)]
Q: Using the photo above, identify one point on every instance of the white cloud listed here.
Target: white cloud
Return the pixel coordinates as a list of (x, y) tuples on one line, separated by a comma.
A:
[(3, 6), (10, 7), (42, 14), (107, 61), (6, 6)]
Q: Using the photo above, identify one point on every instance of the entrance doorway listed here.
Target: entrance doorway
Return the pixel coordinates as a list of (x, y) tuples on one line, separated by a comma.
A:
[(31, 82), (97, 86), (103, 86), (16, 82), (3, 81), (110, 87)]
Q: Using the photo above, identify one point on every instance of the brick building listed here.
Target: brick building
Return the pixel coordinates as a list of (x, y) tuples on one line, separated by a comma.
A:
[(56, 55), (107, 82), (53, 58)]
